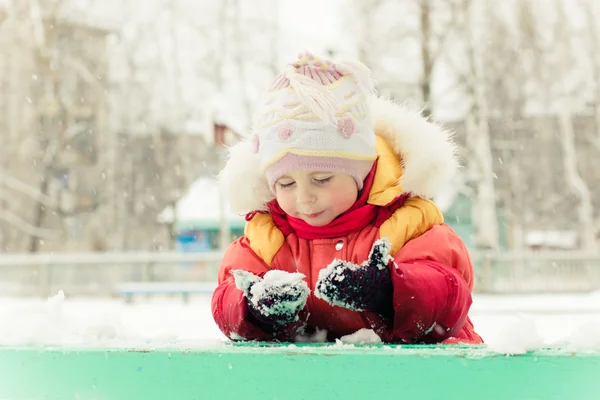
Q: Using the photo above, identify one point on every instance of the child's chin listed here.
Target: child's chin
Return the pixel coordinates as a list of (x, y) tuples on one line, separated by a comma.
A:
[(317, 222)]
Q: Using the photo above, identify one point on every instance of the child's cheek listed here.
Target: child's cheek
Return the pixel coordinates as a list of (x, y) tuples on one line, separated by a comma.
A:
[(286, 202)]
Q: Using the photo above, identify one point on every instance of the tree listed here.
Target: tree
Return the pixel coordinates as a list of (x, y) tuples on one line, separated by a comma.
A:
[(55, 119), (514, 62), (563, 62), (481, 174), (439, 22)]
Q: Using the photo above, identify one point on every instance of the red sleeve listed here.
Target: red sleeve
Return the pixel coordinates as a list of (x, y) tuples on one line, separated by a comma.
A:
[(432, 287), (229, 304)]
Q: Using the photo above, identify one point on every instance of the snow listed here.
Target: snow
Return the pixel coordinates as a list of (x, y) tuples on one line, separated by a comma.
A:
[(62, 321), (361, 336), (519, 336), (244, 279), (282, 278), (554, 239), (275, 284), (508, 323), (282, 284), (514, 324)]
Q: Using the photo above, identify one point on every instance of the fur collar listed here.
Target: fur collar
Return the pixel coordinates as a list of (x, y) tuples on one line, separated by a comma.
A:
[(427, 152)]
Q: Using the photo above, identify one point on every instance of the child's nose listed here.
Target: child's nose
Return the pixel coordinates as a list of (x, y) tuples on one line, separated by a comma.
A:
[(306, 196)]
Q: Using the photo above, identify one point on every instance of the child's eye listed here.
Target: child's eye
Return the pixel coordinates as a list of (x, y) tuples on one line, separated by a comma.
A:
[(325, 180), (285, 185)]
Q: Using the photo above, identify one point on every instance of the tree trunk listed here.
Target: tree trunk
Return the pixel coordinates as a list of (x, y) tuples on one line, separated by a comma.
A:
[(240, 60), (585, 211), (485, 220), (517, 214), (40, 212), (426, 58), (594, 48)]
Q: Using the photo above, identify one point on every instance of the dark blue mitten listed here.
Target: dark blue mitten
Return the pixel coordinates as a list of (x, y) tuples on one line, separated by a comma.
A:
[(365, 287)]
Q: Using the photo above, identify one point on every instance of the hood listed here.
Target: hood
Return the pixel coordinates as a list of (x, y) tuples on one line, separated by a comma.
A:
[(415, 156)]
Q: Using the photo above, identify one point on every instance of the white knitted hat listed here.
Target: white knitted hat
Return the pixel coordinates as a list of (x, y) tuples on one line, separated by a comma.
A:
[(316, 116)]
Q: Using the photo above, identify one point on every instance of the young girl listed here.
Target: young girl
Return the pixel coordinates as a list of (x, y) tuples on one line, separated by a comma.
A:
[(341, 235)]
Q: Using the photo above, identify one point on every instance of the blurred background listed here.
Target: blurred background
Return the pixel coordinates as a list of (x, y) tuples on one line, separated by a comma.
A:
[(115, 116)]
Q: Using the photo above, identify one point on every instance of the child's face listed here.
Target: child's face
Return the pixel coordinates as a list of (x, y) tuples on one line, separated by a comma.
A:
[(314, 196)]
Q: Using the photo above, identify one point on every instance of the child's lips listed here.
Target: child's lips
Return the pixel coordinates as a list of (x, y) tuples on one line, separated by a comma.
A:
[(313, 215)]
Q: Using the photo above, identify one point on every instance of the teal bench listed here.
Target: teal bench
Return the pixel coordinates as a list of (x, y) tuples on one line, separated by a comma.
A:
[(273, 371)]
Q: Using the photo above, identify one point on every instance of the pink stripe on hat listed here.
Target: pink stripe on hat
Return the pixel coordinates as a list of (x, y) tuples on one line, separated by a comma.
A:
[(358, 169)]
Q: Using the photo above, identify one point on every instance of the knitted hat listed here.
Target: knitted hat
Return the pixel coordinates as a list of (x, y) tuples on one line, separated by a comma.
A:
[(315, 116)]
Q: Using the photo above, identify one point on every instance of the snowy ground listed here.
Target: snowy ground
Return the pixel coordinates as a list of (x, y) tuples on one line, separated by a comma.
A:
[(511, 324)]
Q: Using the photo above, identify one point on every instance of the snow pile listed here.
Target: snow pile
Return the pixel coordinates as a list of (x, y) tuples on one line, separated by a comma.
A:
[(585, 338), (543, 303), (107, 323), (517, 337), (47, 323), (362, 336), (160, 323), (523, 334), (515, 324)]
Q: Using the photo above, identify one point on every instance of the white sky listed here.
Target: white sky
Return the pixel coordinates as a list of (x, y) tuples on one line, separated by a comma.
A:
[(312, 25)]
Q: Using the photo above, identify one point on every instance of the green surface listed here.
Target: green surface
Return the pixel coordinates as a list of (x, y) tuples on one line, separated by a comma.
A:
[(297, 372)]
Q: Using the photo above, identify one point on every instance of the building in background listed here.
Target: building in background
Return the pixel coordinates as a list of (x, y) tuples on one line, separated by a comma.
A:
[(197, 218)]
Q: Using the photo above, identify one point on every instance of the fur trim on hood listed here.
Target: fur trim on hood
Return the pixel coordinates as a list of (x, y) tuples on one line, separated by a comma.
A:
[(427, 151)]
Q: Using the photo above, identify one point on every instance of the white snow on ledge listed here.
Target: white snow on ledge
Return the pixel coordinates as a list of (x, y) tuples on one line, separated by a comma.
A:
[(108, 323), (363, 336), (169, 323)]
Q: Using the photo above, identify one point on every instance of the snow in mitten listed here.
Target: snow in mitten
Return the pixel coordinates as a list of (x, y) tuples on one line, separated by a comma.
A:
[(365, 287), (276, 299)]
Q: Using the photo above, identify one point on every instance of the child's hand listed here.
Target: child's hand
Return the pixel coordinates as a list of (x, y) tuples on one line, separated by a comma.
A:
[(275, 299), (359, 288)]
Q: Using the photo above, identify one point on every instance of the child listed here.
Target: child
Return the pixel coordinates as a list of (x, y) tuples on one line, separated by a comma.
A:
[(340, 234)]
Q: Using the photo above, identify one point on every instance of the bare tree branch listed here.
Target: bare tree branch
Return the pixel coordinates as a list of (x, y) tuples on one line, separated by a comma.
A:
[(27, 228), (28, 190)]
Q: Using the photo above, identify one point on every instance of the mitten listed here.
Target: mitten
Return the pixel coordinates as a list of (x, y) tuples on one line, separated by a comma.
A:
[(365, 287), (276, 299)]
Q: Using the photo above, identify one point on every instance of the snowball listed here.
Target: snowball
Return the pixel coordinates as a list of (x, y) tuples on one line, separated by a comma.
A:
[(288, 290)]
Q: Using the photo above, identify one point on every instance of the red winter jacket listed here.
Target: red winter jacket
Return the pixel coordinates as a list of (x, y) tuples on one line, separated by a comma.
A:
[(431, 285)]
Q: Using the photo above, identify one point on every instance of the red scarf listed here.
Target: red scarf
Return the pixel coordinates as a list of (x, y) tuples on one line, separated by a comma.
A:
[(357, 217)]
